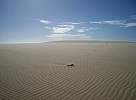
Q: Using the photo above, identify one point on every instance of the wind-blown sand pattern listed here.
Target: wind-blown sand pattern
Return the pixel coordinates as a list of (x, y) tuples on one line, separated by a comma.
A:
[(101, 71)]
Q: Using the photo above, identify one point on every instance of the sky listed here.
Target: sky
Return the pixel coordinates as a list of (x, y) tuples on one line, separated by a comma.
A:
[(23, 21)]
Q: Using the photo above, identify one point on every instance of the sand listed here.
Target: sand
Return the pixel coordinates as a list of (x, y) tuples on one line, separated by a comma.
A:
[(101, 71)]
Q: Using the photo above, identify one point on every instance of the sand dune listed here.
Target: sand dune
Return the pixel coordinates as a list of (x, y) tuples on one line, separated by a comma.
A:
[(101, 71)]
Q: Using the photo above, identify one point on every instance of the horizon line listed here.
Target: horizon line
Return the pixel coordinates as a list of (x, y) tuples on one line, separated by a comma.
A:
[(111, 41)]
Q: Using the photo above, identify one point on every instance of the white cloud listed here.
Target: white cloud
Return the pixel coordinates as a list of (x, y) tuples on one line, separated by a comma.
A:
[(121, 23), (114, 22), (75, 23), (81, 30), (130, 25), (71, 23), (111, 22), (85, 29), (96, 22), (45, 21), (58, 37), (62, 28)]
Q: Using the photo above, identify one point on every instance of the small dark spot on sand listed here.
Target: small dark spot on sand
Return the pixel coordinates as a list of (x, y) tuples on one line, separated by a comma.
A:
[(70, 65)]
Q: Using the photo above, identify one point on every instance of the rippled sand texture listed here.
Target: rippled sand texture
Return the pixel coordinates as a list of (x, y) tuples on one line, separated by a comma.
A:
[(101, 71)]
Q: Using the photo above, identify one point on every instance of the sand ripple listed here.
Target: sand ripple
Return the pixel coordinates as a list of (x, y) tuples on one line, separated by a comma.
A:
[(95, 76)]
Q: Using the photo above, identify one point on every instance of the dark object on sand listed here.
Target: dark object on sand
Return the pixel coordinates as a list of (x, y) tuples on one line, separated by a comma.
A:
[(70, 65)]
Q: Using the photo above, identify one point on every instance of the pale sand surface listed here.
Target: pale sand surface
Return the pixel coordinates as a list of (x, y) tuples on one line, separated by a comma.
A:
[(101, 71)]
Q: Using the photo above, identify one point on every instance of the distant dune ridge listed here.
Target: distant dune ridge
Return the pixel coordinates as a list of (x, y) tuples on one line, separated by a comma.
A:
[(102, 71)]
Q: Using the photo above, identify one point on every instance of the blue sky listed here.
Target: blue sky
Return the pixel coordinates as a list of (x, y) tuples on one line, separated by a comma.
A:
[(47, 20)]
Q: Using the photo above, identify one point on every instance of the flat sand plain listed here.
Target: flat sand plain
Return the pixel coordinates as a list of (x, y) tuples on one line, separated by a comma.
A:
[(101, 71)]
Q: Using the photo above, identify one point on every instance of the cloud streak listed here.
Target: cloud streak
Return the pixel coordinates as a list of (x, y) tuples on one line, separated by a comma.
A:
[(111, 22), (62, 28), (71, 23), (121, 23), (85, 29), (130, 25), (45, 21)]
